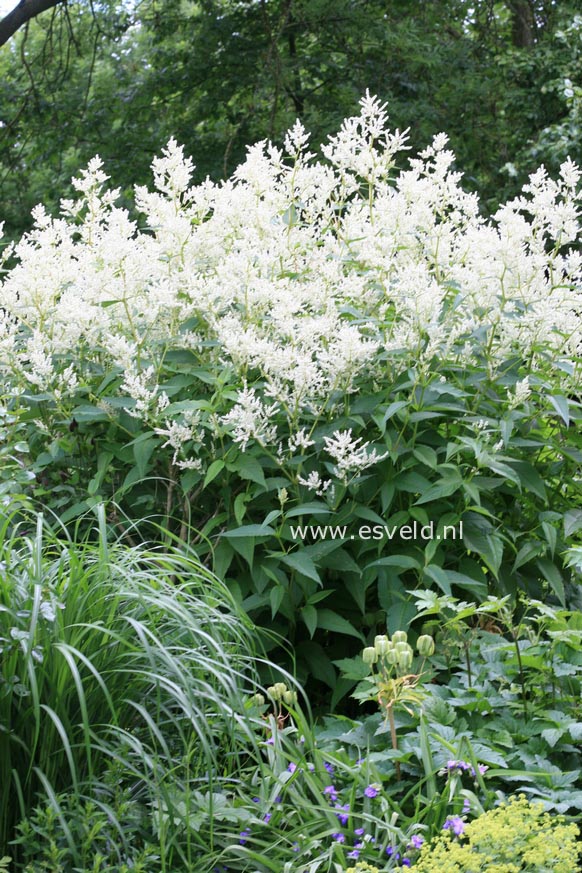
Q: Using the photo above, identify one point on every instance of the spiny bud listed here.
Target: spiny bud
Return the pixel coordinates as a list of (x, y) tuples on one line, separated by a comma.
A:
[(425, 645), (370, 655), (399, 637)]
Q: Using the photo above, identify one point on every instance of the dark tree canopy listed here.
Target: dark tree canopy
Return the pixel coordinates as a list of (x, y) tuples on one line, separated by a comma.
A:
[(503, 79)]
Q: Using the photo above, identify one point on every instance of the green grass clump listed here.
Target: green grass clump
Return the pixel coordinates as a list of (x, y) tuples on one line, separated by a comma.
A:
[(116, 660)]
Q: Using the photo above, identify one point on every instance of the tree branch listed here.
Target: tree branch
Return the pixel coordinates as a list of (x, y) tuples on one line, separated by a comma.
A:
[(21, 14)]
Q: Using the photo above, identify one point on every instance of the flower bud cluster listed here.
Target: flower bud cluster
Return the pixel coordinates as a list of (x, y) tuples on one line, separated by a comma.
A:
[(281, 694), (397, 651)]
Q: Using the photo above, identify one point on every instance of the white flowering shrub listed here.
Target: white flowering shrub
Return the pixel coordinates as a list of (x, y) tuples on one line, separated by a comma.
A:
[(328, 341)]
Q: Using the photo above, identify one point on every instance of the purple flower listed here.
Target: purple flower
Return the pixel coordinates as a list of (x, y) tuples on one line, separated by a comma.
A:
[(267, 817), (339, 838), (311, 767), (391, 851), (331, 792), (416, 841), (466, 805), (359, 832), (244, 836), (407, 862), (295, 847), (343, 816), (358, 844), (454, 824), (354, 854), (328, 767), (372, 790), (292, 767), (256, 799)]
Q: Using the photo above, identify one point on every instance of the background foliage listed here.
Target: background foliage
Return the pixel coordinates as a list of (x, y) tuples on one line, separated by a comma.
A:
[(504, 79)]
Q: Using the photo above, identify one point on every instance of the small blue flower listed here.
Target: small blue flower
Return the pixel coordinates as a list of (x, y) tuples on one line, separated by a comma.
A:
[(244, 835), (454, 824), (292, 767), (339, 838), (331, 792), (372, 790), (343, 816), (354, 854), (416, 841)]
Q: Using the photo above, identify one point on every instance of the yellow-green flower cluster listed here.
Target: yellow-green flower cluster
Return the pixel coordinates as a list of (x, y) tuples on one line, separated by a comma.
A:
[(516, 836)]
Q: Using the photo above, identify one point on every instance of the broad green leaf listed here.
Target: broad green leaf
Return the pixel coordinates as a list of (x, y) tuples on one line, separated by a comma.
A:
[(560, 404), (249, 530), (438, 575), (302, 563), (276, 596), (331, 621), (249, 468), (309, 616), (214, 469)]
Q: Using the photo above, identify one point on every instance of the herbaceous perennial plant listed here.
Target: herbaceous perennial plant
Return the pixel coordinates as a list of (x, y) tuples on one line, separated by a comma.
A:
[(294, 279), (297, 342)]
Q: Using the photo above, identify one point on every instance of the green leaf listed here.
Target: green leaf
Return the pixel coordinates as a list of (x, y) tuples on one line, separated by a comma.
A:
[(303, 564), (309, 616), (314, 508), (276, 596), (560, 404), (572, 522), (249, 468), (249, 530), (403, 562), (213, 471), (330, 620), (438, 575), (240, 506), (143, 448), (553, 577), (444, 488)]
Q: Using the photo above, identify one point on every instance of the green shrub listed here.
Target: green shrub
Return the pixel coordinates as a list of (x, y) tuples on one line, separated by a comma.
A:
[(517, 836)]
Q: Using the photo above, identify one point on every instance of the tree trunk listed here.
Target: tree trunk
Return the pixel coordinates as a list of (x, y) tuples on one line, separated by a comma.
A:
[(523, 24)]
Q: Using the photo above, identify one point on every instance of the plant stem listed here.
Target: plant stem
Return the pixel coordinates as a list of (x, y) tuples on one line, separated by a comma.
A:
[(394, 739)]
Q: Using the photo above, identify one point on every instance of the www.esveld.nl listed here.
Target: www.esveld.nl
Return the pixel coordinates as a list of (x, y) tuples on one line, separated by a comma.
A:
[(377, 532)]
